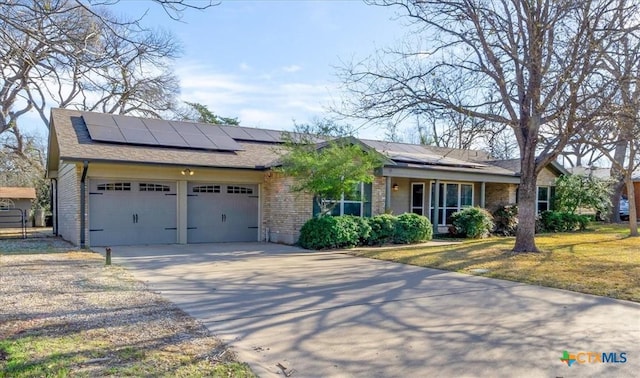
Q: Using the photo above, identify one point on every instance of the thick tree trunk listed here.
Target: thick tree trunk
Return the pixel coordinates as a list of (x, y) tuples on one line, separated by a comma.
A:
[(527, 209)]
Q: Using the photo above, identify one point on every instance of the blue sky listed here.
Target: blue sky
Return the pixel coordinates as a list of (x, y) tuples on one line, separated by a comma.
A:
[(269, 62)]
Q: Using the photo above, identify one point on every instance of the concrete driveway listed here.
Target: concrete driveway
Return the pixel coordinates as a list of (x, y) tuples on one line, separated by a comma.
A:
[(334, 315)]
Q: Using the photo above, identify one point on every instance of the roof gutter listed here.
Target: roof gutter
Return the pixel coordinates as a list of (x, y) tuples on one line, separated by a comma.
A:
[(83, 205)]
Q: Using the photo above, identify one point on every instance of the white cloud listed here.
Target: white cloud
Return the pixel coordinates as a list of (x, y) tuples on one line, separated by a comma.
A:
[(292, 68), (245, 67), (258, 101)]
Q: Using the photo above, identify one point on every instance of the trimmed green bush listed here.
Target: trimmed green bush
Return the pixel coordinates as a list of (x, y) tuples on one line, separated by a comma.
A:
[(558, 221), (382, 229), (472, 222), (329, 232), (505, 220), (363, 227), (412, 228)]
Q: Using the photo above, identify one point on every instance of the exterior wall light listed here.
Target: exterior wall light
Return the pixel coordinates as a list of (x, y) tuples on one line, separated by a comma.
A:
[(395, 187), (187, 172)]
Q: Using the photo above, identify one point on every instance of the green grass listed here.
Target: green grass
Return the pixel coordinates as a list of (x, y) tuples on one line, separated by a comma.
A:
[(603, 260)]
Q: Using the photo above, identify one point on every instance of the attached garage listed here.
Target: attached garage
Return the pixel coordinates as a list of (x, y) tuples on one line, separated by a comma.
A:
[(222, 213), (122, 180), (123, 212)]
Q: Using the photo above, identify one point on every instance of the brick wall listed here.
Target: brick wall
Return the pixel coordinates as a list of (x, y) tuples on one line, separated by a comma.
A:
[(69, 202), (284, 212), (497, 195), (378, 192)]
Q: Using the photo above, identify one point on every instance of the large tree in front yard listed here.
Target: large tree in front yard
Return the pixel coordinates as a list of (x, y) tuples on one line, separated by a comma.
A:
[(532, 66)]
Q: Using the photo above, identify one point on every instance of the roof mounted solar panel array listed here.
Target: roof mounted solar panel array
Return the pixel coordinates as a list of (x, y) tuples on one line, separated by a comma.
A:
[(252, 134), (411, 153), (157, 132)]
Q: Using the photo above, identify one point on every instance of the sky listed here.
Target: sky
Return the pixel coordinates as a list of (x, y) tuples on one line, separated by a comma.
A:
[(271, 62)]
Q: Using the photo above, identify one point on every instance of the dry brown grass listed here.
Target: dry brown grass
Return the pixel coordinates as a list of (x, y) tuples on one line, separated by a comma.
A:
[(67, 314), (602, 261)]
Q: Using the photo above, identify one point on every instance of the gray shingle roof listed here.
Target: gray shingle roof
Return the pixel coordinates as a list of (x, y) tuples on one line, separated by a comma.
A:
[(72, 141), (75, 144)]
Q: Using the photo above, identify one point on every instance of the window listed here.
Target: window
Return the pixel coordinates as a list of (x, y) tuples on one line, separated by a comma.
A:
[(239, 190), (115, 186), (544, 198), (206, 189), (154, 188), (453, 197), (360, 207), (417, 198)]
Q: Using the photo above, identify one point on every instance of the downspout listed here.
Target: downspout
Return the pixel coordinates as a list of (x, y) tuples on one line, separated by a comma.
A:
[(83, 195), (54, 203)]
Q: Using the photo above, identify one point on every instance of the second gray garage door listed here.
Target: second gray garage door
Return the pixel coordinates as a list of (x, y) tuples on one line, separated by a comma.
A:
[(222, 213)]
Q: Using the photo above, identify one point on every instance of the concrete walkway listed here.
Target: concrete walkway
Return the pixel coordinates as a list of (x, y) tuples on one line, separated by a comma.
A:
[(334, 315)]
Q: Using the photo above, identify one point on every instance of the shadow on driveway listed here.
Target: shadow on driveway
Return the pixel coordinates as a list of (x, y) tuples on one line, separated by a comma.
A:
[(331, 314)]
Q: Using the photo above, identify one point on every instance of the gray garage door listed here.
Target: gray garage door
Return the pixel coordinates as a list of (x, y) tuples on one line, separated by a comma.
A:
[(132, 212), (222, 213)]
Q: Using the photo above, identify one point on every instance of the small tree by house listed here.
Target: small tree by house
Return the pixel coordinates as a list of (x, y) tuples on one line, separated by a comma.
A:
[(329, 170)]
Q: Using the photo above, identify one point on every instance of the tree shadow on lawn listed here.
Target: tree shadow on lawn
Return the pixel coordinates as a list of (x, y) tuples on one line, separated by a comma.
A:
[(455, 257)]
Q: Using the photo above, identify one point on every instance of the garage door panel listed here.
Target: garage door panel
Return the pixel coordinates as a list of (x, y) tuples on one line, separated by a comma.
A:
[(129, 213), (222, 213)]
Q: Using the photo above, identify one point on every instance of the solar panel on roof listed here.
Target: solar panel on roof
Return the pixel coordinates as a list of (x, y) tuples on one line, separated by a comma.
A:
[(125, 122), (99, 119), (218, 137), (251, 134), (154, 132), (198, 141), (136, 136), (157, 125), (169, 138), (236, 132), (260, 135), (105, 133)]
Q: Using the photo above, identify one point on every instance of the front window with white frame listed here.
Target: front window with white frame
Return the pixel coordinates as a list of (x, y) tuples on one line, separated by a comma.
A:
[(544, 198), (360, 206), (453, 197)]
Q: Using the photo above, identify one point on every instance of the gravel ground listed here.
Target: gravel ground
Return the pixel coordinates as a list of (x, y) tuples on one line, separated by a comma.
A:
[(48, 289)]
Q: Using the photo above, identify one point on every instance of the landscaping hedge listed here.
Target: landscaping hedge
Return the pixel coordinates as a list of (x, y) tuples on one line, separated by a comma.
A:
[(412, 228), (472, 222), (506, 220), (349, 231), (382, 229), (558, 221)]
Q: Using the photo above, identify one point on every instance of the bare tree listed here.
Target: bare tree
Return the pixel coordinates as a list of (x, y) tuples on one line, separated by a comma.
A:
[(72, 53), (527, 65), (618, 133)]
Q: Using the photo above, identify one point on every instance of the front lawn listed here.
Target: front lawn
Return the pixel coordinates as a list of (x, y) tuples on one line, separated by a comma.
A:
[(603, 260)]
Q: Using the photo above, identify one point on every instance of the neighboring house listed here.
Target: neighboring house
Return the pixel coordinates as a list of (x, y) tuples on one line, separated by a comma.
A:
[(636, 191), (15, 203), (129, 180)]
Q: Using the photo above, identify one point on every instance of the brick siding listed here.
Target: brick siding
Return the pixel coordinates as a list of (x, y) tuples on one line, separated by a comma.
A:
[(284, 212)]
